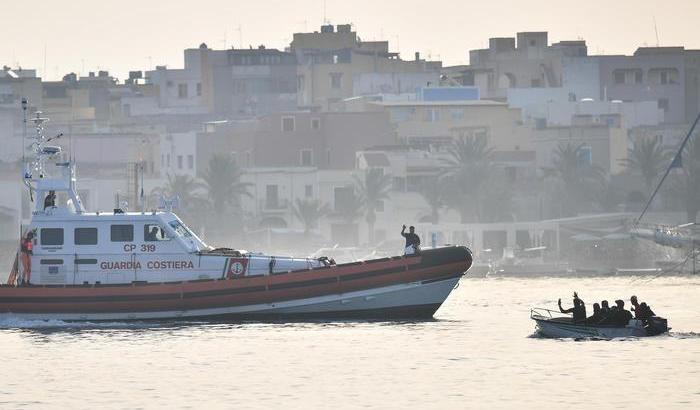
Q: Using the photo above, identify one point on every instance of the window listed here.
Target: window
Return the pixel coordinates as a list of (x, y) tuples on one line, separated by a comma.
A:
[(584, 157), (457, 114), (663, 104), (663, 77), (344, 198), (431, 115), (619, 77), (336, 80), (315, 123), (182, 90), (179, 162), (52, 236), (638, 76), (308, 191), (190, 161), (199, 89), (306, 158), (536, 83), (85, 236), (288, 124), (379, 206), (271, 197), (122, 233), (168, 160), (154, 233), (180, 229), (328, 156)]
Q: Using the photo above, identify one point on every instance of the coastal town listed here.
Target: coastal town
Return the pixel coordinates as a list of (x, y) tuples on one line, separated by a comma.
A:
[(537, 150)]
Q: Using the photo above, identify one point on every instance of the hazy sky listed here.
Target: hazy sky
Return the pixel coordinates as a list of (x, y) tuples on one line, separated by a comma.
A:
[(82, 36)]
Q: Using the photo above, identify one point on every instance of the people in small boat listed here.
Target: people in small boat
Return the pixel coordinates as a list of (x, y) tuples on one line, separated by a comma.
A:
[(412, 241), (50, 200), (27, 250), (578, 311), (597, 315), (646, 311), (635, 306), (622, 315)]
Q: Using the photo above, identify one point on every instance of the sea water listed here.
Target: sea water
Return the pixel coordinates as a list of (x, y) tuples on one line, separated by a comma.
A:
[(479, 352)]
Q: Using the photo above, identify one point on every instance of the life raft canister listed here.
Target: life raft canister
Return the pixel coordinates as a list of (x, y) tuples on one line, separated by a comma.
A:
[(237, 267)]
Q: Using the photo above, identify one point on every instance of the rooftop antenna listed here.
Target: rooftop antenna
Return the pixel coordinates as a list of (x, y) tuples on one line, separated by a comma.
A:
[(240, 37), (44, 59), (656, 30)]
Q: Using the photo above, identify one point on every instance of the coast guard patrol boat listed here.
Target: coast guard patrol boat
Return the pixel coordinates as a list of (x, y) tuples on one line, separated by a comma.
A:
[(91, 266)]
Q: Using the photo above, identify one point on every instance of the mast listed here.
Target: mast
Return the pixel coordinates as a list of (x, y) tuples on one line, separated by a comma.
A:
[(674, 162)]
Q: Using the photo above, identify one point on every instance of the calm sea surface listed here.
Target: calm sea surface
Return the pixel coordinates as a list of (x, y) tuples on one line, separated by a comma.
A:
[(478, 353)]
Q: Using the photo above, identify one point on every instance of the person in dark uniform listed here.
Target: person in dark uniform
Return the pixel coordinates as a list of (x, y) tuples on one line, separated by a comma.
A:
[(412, 241), (597, 315), (622, 315), (50, 200), (578, 311)]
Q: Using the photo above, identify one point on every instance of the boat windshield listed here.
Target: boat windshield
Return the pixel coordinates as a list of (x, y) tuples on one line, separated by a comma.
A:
[(180, 229)]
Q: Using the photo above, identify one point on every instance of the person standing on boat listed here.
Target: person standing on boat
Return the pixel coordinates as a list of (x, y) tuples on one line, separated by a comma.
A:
[(27, 250), (412, 241), (50, 200), (578, 311)]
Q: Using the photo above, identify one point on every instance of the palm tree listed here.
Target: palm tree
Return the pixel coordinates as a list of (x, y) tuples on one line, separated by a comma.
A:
[(577, 182), (686, 184), (469, 166), (372, 189), (434, 195), (188, 190), (648, 157), (309, 212), (351, 207), (223, 183)]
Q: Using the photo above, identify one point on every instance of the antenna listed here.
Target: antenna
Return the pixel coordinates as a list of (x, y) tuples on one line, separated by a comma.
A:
[(325, 20), (656, 30)]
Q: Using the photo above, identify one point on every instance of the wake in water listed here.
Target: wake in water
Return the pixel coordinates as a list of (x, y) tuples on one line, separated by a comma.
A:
[(18, 323)]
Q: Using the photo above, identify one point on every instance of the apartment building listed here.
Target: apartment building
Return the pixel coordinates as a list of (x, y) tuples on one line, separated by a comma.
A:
[(335, 64)]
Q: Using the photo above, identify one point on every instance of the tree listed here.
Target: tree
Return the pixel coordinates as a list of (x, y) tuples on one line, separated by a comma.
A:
[(372, 189), (469, 167), (223, 183), (309, 212), (649, 157), (188, 190), (434, 195), (351, 207), (685, 185), (576, 180)]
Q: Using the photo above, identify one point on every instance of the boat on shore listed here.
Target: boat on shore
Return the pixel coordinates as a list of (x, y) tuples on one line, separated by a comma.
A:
[(551, 324), (148, 265)]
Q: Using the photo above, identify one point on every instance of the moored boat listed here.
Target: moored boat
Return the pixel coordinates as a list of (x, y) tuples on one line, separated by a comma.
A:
[(148, 265), (549, 324)]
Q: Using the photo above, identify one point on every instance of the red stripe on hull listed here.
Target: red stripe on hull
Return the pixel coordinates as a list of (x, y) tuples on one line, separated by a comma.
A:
[(222, 293)]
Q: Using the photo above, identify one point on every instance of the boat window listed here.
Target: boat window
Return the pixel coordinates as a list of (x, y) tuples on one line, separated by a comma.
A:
[(122, 233), (85, 236), (154, 233), (52, 236), (180, 229)]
